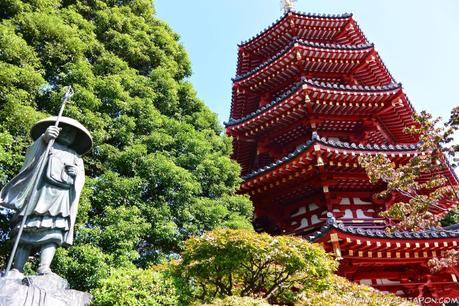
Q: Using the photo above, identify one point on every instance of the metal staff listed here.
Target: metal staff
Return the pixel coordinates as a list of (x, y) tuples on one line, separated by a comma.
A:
[(31, 197)]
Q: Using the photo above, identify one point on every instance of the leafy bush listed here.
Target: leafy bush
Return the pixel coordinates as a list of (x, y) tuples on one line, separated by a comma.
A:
[(135, 287), (84, 266), (228, 262)]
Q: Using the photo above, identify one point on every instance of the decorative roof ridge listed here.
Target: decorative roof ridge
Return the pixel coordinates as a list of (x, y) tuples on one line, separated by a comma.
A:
[(317, 84), (333, 143), (306, 43), (293, 12), (331, 223)]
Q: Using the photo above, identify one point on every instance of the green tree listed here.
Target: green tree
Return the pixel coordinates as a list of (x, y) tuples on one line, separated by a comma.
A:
[(239, 267), (227, 262), (160, 169)]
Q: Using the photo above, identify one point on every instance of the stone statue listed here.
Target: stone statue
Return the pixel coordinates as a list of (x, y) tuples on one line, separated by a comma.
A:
[(51, 209)]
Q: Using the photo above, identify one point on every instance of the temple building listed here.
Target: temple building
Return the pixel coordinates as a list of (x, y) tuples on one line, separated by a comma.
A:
[(311, 95)]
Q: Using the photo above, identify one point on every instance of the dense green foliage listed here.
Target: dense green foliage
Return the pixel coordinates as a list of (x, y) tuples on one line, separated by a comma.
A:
[(228, 267), (159, 171), (243, 263), (136, 287)]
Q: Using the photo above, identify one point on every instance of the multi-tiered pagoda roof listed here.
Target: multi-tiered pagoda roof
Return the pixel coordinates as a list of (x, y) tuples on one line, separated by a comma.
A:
[(310, 96)]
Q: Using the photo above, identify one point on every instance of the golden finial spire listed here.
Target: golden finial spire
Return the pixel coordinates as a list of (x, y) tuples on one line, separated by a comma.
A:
[(288, 5)]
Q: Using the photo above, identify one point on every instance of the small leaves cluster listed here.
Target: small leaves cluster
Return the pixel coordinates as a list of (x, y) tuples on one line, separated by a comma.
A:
[(238, 300), (136, 287)]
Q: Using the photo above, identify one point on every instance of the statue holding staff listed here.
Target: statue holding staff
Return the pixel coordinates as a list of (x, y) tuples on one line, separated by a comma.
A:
[(45, 193)]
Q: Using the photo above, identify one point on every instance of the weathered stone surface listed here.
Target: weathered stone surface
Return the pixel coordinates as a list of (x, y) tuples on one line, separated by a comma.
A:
[(41, 290), (47, 282)]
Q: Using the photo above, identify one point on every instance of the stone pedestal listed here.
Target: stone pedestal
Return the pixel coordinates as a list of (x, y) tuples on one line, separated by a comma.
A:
[(41, 290)]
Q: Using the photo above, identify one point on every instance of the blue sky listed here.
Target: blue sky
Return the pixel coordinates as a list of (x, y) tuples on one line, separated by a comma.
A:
[(418, 41)]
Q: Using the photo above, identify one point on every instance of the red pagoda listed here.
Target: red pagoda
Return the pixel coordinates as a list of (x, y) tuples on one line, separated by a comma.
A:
[(311, 95)]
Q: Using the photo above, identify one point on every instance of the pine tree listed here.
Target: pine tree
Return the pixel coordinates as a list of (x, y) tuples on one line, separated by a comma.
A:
[(160, 169)]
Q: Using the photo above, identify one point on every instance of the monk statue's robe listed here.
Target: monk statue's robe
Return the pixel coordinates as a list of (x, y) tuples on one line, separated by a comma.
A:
[(53, 207)]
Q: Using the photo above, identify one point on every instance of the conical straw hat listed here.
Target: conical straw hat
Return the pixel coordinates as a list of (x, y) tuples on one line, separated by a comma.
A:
[(83, 139)]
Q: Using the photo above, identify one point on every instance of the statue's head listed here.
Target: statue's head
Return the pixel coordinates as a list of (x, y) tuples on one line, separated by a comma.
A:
[(67, 135), (73, 134)]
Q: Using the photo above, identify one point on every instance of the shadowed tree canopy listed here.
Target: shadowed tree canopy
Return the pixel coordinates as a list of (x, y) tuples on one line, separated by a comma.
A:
[(160, 169)]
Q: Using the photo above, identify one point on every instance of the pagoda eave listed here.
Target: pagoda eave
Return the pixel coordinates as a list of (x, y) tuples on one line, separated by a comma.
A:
[(304, 56), (281, 25), (370, 244), (312, 27), (346, 152), (399, 255), (327, 166), (311, 99), (366, 240), (328, 94)]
